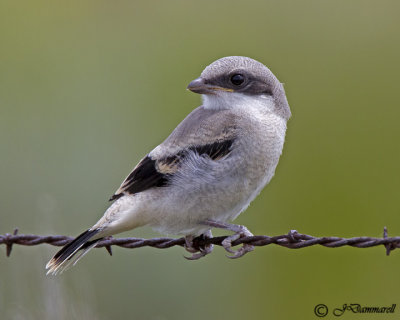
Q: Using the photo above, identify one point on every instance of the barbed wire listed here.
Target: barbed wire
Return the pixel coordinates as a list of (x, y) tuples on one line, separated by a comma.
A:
[(291, 240)]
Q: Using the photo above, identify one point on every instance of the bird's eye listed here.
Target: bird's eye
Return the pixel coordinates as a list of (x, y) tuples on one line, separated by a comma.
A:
[(237, 79)]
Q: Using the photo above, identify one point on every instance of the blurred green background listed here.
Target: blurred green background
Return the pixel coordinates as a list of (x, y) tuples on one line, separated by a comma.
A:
[(89, 87)]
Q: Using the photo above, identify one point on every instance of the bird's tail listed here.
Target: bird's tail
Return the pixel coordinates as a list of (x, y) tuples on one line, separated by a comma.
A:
[(67, 256)]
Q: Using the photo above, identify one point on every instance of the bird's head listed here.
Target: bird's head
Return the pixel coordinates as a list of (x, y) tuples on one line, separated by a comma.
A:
[(232, 80)]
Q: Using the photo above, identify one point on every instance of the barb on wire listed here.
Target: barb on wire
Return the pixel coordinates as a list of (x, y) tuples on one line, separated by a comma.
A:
[(292, 240)]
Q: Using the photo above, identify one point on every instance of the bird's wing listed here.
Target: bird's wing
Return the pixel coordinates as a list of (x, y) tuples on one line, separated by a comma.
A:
[(207, 132)]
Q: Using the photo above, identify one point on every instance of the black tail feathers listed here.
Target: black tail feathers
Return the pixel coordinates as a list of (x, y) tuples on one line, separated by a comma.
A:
[(64, 258)]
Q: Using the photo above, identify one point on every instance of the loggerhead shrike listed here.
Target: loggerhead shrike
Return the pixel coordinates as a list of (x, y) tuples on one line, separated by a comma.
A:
[(208, 170)]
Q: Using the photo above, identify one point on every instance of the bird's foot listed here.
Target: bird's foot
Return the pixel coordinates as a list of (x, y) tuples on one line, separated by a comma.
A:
[(198, 251), (240, 232), (227, 243)]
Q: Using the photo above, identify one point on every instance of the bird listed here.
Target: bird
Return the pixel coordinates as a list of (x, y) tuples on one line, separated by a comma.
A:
[(207, 171)]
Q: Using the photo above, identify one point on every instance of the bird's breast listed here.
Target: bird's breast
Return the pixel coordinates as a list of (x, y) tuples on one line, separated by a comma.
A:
[(259, 149)]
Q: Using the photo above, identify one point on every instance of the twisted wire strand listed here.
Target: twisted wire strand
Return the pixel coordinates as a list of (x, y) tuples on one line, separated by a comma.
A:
[(292, 240)]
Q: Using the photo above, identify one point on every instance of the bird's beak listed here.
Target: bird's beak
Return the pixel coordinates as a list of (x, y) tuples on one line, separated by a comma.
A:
[(199, 86)]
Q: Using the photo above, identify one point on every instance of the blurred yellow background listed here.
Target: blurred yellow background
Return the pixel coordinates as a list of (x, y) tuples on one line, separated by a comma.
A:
[(89, 87)]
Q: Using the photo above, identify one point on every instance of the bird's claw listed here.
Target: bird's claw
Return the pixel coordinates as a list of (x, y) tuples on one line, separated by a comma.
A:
[(203, 252), (189, 245), (200, 252), (241, 251), (245, 248)]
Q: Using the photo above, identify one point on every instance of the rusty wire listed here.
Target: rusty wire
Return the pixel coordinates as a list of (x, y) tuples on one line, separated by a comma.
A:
[(292, 240)]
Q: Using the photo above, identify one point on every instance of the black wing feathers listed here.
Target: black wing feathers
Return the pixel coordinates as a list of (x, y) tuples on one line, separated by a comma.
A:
[(151, 173), (143, 177), (214, 150)]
